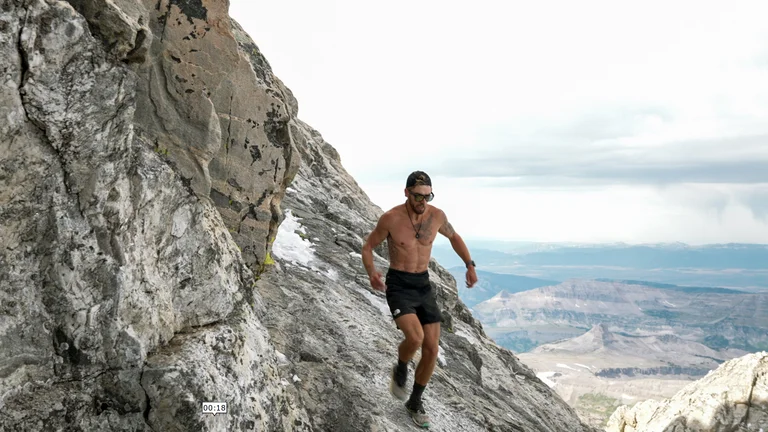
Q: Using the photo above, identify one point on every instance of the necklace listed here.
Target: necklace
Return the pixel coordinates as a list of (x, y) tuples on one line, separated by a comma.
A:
[(409, 219)]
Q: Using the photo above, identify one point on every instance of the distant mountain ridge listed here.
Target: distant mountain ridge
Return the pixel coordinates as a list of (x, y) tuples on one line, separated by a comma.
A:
[(733, 255), (687, 289), (523, 320), (649, 257), (730, 266), (666, 348), (490, 284)]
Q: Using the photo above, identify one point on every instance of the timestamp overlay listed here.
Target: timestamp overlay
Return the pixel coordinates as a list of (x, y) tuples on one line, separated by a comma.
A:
[(214, 408)]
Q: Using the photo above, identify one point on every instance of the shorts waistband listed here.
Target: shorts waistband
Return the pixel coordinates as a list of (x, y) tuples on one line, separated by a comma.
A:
[(408, 274)]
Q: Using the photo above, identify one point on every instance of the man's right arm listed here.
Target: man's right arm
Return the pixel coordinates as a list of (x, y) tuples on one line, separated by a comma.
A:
[(378, 235)]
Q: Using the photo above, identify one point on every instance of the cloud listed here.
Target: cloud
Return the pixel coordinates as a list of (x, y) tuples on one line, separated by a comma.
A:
[(607, 124), (578, 125), (739, 160), (756, 199), (700, 197)]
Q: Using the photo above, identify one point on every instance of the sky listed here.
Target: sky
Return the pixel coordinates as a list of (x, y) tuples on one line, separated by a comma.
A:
[(589, 121)]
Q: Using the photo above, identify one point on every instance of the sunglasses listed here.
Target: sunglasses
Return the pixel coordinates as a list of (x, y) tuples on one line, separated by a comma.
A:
[(419, 197)]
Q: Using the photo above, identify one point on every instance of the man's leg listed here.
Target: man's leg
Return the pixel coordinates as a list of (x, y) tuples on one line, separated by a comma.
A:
[(429, 350), (414, 336)]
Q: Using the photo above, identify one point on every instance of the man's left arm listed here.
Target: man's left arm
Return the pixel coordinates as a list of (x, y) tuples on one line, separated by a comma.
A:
[(461, 249)]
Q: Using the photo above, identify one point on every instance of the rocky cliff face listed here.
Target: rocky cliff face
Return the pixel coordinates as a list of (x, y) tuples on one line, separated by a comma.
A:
[(145, 152), (732, 398), (125, 302)]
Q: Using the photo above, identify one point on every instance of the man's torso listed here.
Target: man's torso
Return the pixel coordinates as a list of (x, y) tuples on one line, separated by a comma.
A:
[(406, 252)]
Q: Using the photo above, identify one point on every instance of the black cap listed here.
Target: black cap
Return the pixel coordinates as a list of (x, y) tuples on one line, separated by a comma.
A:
[(418, 178)]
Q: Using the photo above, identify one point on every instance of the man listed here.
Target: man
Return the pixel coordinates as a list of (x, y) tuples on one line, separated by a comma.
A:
[(410, 229)]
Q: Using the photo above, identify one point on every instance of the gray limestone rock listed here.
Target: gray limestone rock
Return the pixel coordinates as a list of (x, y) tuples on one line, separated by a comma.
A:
[(734, 397), (119, 286), (219, 120)]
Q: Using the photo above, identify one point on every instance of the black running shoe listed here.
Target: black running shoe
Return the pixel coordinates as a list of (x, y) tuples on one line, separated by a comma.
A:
[(397, 384)]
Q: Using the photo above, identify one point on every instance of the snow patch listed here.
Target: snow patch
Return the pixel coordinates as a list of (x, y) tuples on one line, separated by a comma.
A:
[(441, 357), (281, 358), (289, 245), (544, 377), (380, 303), (565, 366), (581, 365)]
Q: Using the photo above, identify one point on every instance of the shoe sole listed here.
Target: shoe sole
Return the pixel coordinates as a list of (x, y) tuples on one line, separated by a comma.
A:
[(421, 425), (392, 386)]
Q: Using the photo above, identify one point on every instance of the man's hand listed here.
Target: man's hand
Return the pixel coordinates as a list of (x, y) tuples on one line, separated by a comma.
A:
[(377, 281), (471, 277)]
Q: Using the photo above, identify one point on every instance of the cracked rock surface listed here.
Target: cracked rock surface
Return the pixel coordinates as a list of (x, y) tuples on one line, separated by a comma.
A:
[(733, 397), (125, 302)]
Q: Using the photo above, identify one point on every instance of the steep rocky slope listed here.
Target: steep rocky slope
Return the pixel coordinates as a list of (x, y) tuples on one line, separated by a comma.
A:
[(732, 398), (145, 150)]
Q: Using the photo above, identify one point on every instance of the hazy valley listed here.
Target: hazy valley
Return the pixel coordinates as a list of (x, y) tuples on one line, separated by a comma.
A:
[(610, 333)]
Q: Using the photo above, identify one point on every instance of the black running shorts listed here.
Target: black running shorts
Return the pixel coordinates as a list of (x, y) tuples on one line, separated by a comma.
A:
[(412, 293)]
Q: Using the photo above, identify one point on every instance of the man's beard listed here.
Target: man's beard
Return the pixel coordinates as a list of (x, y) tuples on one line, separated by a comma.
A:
[(419, 208)]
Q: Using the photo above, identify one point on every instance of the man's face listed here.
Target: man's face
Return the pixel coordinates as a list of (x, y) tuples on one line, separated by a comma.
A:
[(418, 196)]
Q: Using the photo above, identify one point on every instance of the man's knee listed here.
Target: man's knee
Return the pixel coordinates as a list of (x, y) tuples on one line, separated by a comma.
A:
[(431, 345), (415, 337), (411, 328), (430, 349)]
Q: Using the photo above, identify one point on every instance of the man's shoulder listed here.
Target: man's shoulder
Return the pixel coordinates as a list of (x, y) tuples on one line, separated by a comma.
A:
[(394, 211), (438, 212), (391, 214)]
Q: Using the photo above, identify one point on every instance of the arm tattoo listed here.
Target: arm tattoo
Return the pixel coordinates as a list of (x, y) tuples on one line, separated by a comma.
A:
[(447, 229)]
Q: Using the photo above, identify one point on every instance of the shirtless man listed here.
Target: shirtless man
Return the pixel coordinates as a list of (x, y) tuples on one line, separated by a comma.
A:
[(410, 229)]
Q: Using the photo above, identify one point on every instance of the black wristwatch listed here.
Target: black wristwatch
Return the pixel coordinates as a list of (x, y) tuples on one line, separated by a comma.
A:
[(471, 263)]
